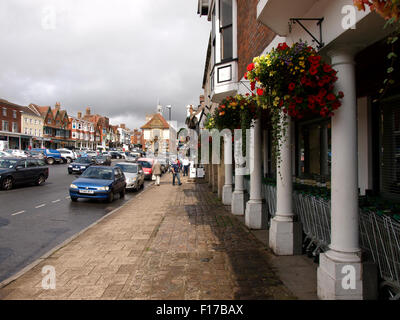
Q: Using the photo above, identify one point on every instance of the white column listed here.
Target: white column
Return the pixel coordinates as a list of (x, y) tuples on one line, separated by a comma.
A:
[(342, 263), (254, 208), (285, 235), (227, 189), (238, 199)]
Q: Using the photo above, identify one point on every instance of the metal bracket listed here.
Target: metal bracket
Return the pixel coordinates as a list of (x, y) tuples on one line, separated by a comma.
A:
[(319, 23)]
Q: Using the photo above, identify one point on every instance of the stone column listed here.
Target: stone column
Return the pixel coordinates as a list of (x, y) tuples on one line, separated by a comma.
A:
[(285, 234), (341, 273), (254, 208), (227, 189), (238, 199)]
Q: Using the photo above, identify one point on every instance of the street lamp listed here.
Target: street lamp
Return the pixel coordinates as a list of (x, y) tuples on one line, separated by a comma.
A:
[(169, 107)]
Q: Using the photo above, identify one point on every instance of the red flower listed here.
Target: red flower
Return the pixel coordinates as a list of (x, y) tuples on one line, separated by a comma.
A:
[(260, 92), (341, 94), (281, 103), (311, 106), (298, 99), (331, 97), (245, 75), (252, 86), (315, 60), (303, 80), (250, 67), (282, 46), (327, 68), (292, 86), (322, 92), (321, 83), (313, 70), (336, 105)]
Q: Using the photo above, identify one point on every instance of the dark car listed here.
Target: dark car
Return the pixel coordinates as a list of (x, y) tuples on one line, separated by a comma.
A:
[(14, 171), (102, 160), (80, 165), (115, 155), (99, 182)]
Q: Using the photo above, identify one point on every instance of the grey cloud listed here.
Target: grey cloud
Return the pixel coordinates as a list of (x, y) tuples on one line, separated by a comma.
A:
[(117, 56)]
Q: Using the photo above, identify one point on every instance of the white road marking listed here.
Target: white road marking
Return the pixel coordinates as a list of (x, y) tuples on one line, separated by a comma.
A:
[(55, 201), (40, 206), (19, 212)]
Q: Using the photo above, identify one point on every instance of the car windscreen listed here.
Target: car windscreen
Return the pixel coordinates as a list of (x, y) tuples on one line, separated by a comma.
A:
[(145, 164), (127, 168), (83, 160), (98, 173), (7, 164)]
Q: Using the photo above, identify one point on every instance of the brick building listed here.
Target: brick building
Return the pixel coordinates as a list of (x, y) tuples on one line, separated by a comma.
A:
[(82, 132), (10, 124)]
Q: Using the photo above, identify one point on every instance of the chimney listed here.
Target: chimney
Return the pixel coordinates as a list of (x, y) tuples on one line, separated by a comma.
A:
[(58, 105), (88, 111), (79, 115), (122, 125)]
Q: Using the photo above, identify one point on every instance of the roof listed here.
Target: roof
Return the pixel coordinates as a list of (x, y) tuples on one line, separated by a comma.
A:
[(27, 111), (156, 122)]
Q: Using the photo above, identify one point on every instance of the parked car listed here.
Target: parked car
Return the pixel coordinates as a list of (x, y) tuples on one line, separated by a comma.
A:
[(134, 175), (99, 182), (37, 155), (147, 165), (16, 171), (80, 165), (115, 155), (102, 160), (91, 153), (67, 155), (52, 156), (4, 154), (17, 153)]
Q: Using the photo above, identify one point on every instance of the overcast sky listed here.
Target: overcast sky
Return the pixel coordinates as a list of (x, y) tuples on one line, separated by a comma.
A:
[(118, 57)]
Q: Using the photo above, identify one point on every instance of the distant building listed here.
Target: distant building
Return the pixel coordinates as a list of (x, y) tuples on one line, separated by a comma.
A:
[(82, 132), (156, 134), (10, 125)]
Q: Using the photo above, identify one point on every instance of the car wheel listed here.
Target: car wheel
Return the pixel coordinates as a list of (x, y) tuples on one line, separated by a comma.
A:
[(74, 199), (50, 161), (110, 197), (40, 180), (122, 193), (68, 160), (7, 183)]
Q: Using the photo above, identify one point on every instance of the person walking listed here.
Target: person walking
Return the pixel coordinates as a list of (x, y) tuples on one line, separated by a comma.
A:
[(186, 165), (176, 168), (157, 172)]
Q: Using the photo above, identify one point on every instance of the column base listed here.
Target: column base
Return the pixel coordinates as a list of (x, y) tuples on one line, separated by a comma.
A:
[(346, 280), (238, 203), (285, 237), (254, 217), (227, 195)]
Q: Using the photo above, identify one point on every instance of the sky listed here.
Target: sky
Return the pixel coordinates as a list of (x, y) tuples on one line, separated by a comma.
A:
[(119, 57)]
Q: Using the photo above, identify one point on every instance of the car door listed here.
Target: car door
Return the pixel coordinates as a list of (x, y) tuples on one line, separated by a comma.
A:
[(20, 172), (32, 170), (119, 179), (140, 174)]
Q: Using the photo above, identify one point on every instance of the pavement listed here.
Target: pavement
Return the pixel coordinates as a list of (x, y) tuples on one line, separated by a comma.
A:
[(168, 243), (35, 219)]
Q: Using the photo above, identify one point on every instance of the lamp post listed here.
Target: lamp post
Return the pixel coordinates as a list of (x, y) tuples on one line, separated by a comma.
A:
[(169, 107)]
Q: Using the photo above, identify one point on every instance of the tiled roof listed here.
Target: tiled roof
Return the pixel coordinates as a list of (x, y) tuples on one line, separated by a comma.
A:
[(156, 122)]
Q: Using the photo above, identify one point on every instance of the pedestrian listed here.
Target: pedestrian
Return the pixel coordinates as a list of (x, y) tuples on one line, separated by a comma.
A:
[(186, 165), (156, 170), (175, 172)]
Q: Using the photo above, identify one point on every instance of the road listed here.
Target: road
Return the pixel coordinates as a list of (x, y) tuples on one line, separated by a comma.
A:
[(35, 219)]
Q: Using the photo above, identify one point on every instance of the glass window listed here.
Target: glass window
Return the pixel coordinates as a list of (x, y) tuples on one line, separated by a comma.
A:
[(14, 114), (225, 16), (14, 127), (127, 168), (4, 112)]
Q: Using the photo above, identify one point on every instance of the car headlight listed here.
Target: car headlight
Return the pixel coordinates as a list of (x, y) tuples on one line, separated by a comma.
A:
[(73, 186), (83, 167), (103, 188), (70, 166)]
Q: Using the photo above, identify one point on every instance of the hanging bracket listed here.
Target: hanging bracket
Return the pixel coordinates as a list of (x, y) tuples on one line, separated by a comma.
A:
[(319, 23)]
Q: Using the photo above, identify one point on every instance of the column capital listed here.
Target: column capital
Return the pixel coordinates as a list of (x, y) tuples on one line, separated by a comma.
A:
[(342, 55)]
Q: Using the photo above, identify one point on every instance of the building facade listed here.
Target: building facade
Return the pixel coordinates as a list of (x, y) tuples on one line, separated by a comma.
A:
[(32, 125), (354, 153), (156, 134), (82, 132)]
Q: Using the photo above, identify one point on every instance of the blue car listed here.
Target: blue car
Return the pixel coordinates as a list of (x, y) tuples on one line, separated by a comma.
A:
[(51, 155), (80, 165), (99, 182)]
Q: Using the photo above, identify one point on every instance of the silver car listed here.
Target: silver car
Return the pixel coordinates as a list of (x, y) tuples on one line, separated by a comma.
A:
[(133, 173)]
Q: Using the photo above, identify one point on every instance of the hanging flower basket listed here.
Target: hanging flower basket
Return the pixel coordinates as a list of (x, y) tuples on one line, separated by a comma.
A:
[(388, 9), (295, 80)]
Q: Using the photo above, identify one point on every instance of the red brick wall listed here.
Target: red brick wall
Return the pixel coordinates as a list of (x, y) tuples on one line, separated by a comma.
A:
[(253, 37), (9, 116)]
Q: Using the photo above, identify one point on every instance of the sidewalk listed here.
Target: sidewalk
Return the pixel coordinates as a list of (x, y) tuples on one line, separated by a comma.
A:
[(170, 242)]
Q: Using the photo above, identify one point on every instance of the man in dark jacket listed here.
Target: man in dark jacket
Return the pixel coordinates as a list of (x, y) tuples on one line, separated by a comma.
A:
[(176, 168)]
